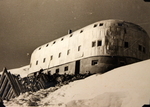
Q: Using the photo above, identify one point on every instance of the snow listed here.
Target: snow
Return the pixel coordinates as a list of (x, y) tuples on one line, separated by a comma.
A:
[(126, 86), (23, 71)]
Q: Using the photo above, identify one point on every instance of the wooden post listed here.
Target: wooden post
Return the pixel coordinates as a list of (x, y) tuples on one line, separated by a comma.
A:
[(6, 91)]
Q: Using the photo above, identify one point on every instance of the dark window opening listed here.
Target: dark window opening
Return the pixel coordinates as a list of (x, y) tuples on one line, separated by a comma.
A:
[(51, 57), (68, 52), (59, 55), (39, 48), (54, 42), (94, 62), (93, 43), (125, 31), (62, 39), (47, 45), (119, 24), (95, 25), (99, 43), (140, 48), (44, 60), (71, 35), (66, 68), (36, 62), (57, 70), (81, 31), (101, 24), (79, 48), (126, 44)]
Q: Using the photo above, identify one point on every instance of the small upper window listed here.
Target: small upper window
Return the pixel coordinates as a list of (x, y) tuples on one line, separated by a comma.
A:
[(66, 68), (59, 55), (52, 57), (68, 52), (126, 44), (44, 60), (79, 48), (71, 35), (62, 39), (94, 62), (39, 48), (101, 24), (99, 43), (93, 43), (36, 62), (54, 42), (95, 25), (47, 45), (81, 31)]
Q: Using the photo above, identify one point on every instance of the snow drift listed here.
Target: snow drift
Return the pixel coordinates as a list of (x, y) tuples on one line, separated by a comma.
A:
[(127, 86)]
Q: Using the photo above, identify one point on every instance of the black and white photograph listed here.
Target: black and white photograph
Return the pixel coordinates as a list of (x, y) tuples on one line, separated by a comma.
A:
[(74, 53)]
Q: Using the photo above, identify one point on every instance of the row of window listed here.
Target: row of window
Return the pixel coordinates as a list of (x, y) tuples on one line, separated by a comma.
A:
[(65, 69), (101, 24), (99, 43)]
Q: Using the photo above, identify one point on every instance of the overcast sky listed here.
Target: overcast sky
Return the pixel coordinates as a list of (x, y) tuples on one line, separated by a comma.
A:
[(27, 24)]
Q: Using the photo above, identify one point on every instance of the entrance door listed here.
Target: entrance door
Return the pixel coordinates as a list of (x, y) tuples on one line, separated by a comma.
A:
[(77, 67)]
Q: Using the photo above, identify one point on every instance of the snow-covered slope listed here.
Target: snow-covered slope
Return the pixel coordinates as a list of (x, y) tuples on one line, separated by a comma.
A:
[(127, 86), (22, 71)]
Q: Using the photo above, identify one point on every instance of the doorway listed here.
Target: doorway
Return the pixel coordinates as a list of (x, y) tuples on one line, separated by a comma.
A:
[(77, 67)]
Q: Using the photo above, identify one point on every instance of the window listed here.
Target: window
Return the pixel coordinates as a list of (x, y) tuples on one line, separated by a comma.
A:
[(81, 31), (95, 25), (68, 52), (119, 24), (140, 48), (126, 44), (99, 43), (125, 31), (54, 42), (93, 43), (57, 70), (59, 55), (79, 48), (39, 48), (71, 35), (44, 60), (52, 57), (94, 62), (66, 68), (101, 24), (47, 45), (36, 62), (62, 39)]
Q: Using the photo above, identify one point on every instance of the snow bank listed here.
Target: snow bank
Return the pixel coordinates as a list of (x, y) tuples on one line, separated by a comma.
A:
[(126, 86), (22, 71)]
